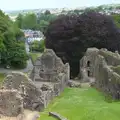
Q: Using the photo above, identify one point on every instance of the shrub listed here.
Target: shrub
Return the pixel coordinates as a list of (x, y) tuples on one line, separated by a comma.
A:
[(37, 46)]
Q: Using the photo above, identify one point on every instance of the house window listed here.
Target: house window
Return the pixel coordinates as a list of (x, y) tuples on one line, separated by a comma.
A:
[(88, 63)]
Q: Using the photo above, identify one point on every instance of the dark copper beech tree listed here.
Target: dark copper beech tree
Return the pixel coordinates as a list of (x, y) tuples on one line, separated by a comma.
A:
[(70, 35)]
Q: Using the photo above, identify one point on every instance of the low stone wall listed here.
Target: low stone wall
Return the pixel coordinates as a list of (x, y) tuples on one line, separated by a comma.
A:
[(49, 93), (11, 103), (60, 85), (48, 96)]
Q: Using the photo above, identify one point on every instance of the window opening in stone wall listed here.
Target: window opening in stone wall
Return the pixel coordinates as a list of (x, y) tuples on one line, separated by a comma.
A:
[(88, 73), (88, 64)]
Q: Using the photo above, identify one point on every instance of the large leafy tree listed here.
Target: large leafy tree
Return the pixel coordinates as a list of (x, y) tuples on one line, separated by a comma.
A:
[(43, 25), (19, 20), (29, 21), (10, 36), (116, 18), (44, 19), (70, 35), (33, 21)]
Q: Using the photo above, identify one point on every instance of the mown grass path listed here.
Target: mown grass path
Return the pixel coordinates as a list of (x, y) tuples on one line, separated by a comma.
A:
[(83, 104)]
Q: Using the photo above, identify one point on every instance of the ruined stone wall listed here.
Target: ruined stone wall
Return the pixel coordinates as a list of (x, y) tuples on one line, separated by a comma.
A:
[(48, 96), (87, 64), (59, 86), (49, 77), (50, 70), (104, 66), (48, 67), (11, 103), (106, 79), (32, 96), (110, 57), (37, 92)]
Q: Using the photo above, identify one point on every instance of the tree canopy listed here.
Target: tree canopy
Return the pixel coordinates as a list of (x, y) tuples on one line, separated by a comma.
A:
[(70, 35), (12, 49), (116, 18), (37, 46), (35, 21)]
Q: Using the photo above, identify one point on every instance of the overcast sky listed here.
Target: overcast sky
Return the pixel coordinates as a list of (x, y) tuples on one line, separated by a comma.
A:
[(32, 4)]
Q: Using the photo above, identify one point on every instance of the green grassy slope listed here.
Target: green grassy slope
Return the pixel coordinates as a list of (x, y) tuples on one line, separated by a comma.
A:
[(83, 104), (1, 77), (34, 56)]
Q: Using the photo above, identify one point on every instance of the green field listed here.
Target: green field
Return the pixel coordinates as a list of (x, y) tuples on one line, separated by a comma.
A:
[(83, 104)]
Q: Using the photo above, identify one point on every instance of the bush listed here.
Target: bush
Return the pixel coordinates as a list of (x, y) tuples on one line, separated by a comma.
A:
[(70, 35), (19, 64), (37, 46)]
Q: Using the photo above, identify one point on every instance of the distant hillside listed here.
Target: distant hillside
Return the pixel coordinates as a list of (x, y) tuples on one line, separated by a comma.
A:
[(107, 9), (55, 10), (52, 10)]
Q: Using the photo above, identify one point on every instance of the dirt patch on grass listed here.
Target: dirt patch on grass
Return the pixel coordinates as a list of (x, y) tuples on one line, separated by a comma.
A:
[(28, 115)]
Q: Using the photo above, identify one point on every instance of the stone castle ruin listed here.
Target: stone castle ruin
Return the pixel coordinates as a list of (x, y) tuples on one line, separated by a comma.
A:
[(48, 67), (102, 68), (49, 70), (50, 76), (48, 79)]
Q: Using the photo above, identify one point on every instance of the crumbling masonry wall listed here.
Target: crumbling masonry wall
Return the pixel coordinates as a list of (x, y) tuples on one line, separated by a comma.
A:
[(49, 69), (49, 77), (104, 69), (106, 79), (87, 64), (11, 103), (32, 96)]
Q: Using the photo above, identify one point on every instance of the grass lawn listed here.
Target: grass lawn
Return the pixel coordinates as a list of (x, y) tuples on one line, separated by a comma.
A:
[(34, 56), (82, 104), (1, 77)]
